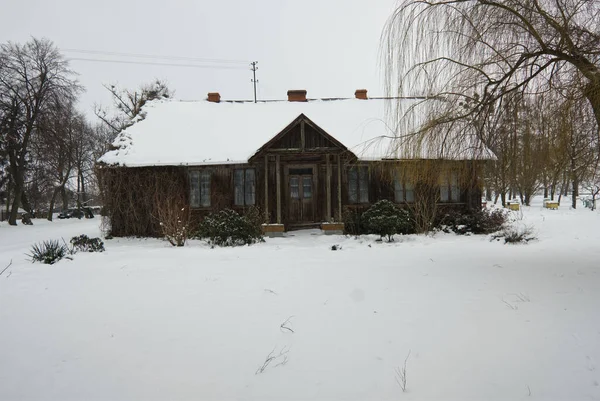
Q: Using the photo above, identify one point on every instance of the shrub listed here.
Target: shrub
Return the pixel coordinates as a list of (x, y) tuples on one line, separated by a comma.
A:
[(483, 221), (353, 222), (83, 243), (48, 252), (385, 219), (228, 228), (174, 223), (516, 235)]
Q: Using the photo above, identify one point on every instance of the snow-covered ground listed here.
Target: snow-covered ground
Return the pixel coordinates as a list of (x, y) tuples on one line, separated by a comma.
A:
[(145, 321)]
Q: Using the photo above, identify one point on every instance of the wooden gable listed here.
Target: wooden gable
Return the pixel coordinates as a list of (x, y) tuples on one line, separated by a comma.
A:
[(301, 135)]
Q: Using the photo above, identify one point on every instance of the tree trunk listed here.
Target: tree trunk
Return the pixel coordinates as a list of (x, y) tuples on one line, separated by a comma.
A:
[(8, 192), (25, 203), (503, 198), (575, 192), (488, 194), (592, 93), (19, 184), (52, 202), (83, 195), (65, 199), (14, 210)]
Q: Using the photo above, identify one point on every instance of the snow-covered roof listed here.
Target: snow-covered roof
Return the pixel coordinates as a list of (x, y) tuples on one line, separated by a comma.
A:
[(203, 132)]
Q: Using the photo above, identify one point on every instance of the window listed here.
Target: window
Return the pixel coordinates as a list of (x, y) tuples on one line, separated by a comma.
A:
[(449, 190), (294, 187), (306, 187), (358, 184), (404, 190), (200, 188), (244, 186)]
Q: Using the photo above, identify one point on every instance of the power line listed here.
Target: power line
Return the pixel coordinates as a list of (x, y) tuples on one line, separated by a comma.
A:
[(151, 56), (218, 67)]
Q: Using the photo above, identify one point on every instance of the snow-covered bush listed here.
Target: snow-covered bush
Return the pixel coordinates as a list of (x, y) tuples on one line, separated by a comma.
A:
[(48, 252), (385, 219), (228, 228), (83, 243), (485, 221), (516, 234)]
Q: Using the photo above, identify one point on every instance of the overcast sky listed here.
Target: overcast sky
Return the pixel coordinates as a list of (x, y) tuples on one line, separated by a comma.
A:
[(328, 47)]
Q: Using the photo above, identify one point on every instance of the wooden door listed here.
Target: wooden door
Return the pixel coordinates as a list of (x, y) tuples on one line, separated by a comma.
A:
[(301, 196)]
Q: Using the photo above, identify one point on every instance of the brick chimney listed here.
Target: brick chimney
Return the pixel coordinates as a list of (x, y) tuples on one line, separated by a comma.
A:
[(296, 95), (214, 97), (361, 94)]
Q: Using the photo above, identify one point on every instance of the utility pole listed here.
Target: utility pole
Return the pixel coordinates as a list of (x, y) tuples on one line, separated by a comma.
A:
[(254, 80)]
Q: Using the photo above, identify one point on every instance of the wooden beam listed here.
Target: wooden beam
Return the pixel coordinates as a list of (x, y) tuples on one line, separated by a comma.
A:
[(329, 172), (339, 187), (298, 150), (278, 175), (302, 137), (267, 219)]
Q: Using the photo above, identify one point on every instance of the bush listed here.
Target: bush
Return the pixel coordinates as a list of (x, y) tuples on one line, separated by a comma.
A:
[(228, 228), (516, 235), (385, 219), (483, 221), (174, 223), (83, 243), (48, 252), (353, 222)]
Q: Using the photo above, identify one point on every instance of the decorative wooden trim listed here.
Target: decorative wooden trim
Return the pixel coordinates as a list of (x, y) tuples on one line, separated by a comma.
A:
[(278, 174), (302, 137), (306, 120)]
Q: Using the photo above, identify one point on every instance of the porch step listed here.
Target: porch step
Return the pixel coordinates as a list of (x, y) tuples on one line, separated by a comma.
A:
[(302, 226)]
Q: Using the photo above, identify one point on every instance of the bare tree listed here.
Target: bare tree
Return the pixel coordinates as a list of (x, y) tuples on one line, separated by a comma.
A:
[(128, 104), (30, 75), (472, 53), (55, 148)]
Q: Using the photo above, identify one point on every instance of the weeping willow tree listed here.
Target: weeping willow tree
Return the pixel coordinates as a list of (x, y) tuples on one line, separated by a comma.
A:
[(471, 54)]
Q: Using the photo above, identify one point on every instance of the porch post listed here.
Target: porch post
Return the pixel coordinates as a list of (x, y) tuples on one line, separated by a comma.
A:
[(329, 172), (278, 174), (267, 219), (339, 187)]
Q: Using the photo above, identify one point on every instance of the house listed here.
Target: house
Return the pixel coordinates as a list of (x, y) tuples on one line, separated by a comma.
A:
[(302, 162)]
